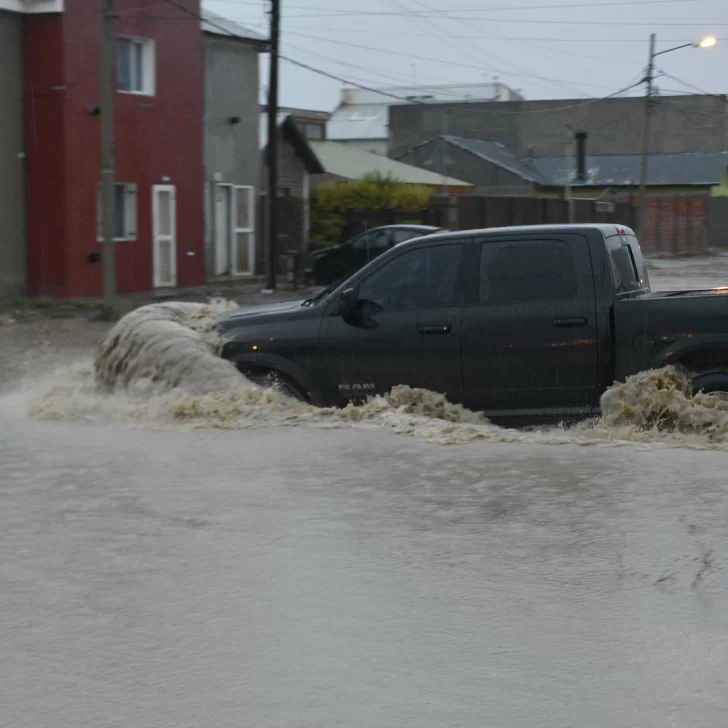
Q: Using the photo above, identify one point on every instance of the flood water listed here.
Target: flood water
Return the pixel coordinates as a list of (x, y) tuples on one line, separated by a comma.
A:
[(301, 576)]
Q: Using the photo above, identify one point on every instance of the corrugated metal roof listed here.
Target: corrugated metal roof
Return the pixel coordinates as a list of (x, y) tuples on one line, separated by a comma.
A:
[(349, 163), (617, 170), (688, 168), (362, 121), (215, 24), (498, 154)]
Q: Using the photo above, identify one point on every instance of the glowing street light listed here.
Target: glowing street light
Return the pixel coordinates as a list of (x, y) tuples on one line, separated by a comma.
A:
[(708, 42)]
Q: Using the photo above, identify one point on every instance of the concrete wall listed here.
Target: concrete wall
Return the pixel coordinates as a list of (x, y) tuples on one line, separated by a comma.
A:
[(679, 124), (442, 158), (12, 167), (231, 150)]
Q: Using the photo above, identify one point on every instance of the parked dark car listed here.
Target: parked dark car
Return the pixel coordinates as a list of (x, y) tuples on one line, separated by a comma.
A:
[(524, 323), (338, 261)]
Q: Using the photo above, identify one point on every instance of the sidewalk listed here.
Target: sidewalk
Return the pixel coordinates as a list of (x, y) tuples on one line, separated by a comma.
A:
[(244, 291)]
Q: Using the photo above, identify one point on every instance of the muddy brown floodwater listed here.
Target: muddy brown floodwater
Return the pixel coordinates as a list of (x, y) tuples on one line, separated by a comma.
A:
[(174, 554)]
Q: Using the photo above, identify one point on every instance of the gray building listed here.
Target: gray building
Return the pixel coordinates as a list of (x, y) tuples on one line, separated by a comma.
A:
[(232, 157), (13, 268), (546, 128), (362, 118)]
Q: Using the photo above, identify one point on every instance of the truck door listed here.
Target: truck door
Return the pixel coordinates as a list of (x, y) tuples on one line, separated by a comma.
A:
[(529, 327), (406, 329)]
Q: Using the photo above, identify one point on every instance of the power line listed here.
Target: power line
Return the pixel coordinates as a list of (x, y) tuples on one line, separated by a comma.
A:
[(588, 6), (421, 3), (673, 91), (383, 92), (515, 39), (685, 83), (660, 100), (616, 23), (353, 80), (437, 13), (430, 59), (501, 38), (424, 23), (398, 77), (614, 122), (226, 31)]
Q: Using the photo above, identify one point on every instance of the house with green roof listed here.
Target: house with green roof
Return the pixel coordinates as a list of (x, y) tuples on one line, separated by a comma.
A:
[(341, 162)]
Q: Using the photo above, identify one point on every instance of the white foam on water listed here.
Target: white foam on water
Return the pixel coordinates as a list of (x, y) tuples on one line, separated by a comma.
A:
[(159, 367)]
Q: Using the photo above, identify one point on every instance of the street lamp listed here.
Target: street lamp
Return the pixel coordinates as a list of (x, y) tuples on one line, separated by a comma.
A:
[(708, 42)]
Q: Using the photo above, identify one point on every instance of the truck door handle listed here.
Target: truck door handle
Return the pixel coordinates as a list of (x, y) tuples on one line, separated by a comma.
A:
[(444, 329), (566, 323)]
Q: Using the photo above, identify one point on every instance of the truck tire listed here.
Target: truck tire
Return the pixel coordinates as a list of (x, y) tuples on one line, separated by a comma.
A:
[(267, 378), (711, 382)]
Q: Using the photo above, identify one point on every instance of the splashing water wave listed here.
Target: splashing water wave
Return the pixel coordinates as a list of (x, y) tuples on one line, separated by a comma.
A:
[(159, 366)]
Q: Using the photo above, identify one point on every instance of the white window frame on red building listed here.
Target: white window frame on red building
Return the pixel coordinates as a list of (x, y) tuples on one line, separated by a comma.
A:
[(142, 65)]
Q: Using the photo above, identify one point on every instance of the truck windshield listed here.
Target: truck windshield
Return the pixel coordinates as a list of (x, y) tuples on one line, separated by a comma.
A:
[(628, 267)]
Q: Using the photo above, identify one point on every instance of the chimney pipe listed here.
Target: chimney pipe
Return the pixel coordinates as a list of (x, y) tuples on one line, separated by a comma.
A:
[(581, 156)]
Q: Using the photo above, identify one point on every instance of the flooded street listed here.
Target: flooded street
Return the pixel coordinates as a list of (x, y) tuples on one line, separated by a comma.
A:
[(298, 576)]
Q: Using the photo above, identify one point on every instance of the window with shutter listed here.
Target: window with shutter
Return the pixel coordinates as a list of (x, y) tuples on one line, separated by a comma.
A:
[(125, 211)]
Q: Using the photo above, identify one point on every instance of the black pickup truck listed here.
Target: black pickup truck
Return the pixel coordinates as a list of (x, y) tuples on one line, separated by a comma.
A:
[(522, 323)]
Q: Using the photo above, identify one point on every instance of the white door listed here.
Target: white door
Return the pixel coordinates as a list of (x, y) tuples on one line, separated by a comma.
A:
[(164, 235), (223, 228), (244, 232)]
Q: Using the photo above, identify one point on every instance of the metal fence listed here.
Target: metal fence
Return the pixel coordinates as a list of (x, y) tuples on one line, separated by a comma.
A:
[(674, 224)]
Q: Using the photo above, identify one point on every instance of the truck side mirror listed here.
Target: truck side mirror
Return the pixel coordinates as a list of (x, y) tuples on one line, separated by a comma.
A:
[(347, 301)]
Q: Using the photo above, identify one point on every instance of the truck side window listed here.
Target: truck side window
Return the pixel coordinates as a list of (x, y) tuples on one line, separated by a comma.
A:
[(422, 278), (526, 271), (624, 267)]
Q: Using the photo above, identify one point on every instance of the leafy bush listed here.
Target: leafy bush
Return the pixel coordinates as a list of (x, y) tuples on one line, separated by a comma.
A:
[(330, 202)]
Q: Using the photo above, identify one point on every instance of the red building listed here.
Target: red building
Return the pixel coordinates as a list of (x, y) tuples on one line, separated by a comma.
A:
[(159, 219)]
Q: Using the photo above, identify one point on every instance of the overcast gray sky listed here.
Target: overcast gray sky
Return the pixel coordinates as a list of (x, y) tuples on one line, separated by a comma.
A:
[(545, 48)]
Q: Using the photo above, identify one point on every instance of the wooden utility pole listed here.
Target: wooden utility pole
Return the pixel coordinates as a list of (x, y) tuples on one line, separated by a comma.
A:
[(646, 137), (272, 149), (107, 153), (443, 153)]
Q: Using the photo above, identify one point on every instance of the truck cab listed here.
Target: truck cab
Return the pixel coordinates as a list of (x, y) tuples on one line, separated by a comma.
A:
[(522, 323)]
